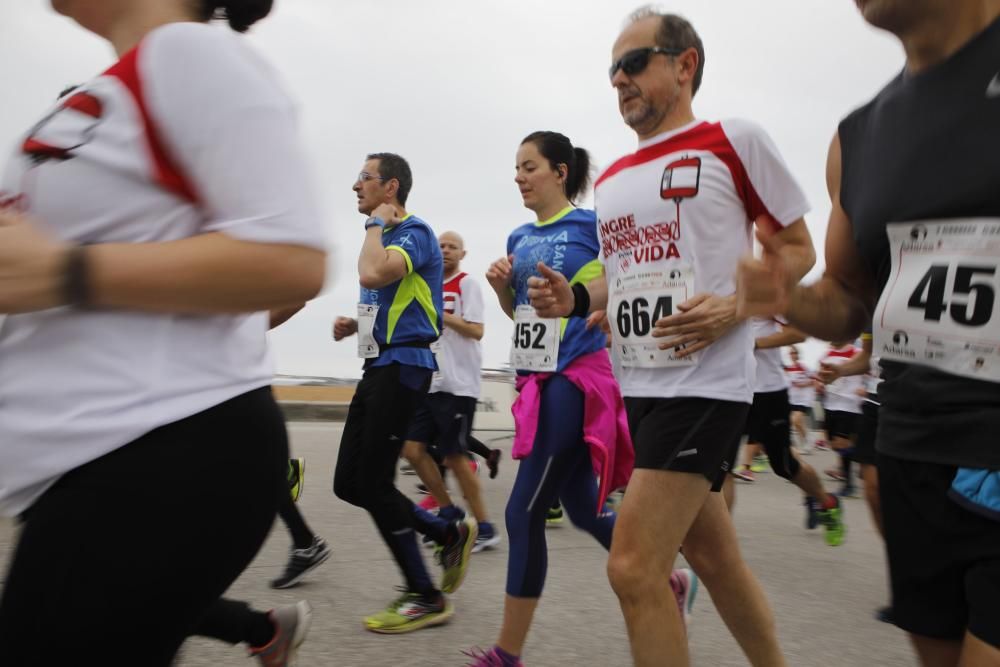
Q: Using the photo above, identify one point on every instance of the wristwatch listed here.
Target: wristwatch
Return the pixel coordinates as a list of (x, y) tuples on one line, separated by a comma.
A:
[(374, 222)]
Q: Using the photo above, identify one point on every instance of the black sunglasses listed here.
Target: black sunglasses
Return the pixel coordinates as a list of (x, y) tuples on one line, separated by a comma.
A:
[(635, 61)]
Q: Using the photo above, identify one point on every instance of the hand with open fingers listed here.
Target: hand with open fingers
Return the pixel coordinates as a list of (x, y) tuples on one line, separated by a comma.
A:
[(699, 322), (32, 266), (388, 213), (763, 285), (827, 372), (501, 273), (550, 293), (344, 327)]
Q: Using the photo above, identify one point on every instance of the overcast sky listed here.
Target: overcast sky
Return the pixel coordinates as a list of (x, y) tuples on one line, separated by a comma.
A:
[(455, 85)]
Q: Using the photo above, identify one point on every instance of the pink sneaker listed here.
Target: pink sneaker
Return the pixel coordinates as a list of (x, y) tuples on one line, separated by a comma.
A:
[(428, 503), (474, 465), (487, 659), (684, 584)]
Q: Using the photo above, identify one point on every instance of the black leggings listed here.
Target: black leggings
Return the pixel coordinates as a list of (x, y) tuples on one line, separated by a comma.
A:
[(376, 426), (126, 553)]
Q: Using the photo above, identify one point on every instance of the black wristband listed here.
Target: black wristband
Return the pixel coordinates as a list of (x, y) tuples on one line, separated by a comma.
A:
[(581, 304), (75, 288)]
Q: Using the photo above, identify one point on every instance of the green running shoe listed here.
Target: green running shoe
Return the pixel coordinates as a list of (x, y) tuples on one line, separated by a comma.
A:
[(554, 516), (296, 477), (455, 553), (833, 523), (410, 612)]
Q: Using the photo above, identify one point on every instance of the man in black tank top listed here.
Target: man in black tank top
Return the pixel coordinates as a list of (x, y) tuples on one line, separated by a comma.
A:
[(914, 242)]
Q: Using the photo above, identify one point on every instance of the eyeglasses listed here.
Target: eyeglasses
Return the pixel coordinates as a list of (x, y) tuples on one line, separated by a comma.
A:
[(636, 60), (364, 177)]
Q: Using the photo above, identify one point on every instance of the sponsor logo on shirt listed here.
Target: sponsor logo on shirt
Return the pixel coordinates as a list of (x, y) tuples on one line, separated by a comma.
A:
[(900, 345)]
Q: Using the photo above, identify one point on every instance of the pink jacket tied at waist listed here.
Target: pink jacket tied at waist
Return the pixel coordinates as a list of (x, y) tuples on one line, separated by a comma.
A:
[(605, 424)]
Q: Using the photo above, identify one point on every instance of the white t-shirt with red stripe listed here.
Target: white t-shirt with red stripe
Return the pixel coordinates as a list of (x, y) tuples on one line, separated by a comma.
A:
[(687, 199), (845, 394), (460, 359), (188, 133), (770, 368), (801, 390)]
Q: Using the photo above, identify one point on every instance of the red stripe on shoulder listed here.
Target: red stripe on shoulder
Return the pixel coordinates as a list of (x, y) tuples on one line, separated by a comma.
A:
[(709, 137), (454, 284), (168, 174)]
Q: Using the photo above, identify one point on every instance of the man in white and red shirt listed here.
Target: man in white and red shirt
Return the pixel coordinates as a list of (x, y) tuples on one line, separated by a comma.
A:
[(444, 419), (767, 427), (674, 219), (842, 401), (801, 396)]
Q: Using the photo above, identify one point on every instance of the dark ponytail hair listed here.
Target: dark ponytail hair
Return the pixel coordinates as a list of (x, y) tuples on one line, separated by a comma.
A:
[(557, 149), (240, 14)]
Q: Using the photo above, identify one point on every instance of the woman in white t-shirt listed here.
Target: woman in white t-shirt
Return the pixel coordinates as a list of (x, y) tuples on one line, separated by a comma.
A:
[(147, 223)]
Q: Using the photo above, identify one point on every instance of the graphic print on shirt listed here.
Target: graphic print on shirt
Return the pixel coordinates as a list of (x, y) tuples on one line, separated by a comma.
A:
[(638, 300), (68, 127), (680, 181)]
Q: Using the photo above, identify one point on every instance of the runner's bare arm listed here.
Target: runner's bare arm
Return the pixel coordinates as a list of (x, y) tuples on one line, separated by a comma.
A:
[(499, 277), (839, 305), (279, 316), (787, 336), (463, 328), (379, 266), (209, 273), (704, 318)]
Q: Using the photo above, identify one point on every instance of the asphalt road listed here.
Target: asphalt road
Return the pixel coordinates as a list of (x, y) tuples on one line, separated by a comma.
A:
[(823, 597)]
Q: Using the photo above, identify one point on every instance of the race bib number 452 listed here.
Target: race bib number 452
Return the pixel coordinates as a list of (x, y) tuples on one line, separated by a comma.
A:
[(635, 303), (535, 346), (939, 307)]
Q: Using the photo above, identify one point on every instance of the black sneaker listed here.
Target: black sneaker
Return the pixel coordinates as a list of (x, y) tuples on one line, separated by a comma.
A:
[(885, 615), (302, 562)]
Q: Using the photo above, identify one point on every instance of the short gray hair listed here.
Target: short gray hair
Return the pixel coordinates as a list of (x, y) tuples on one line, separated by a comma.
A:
[(675, 32)]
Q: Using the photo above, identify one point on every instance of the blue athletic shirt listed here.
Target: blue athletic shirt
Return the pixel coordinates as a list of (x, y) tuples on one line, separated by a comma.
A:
[(566, 242), (409, 309)]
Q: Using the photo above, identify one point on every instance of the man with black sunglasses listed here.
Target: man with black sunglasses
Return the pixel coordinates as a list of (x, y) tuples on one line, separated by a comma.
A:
[(675, 217)]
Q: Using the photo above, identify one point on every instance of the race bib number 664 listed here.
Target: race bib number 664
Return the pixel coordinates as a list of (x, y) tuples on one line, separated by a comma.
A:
[(939, 307), (636, 302)]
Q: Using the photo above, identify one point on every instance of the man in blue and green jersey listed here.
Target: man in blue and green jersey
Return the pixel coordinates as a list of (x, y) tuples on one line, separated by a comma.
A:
[(399, 316)]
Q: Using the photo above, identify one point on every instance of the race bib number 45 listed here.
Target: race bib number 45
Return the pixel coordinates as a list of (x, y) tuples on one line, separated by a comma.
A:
[(535, 346), (939, 307), (635, 303)]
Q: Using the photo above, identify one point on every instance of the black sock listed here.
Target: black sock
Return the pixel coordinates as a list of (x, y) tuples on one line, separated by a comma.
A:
[(478, 448), (845, 468), (260, 630), (302, 537)]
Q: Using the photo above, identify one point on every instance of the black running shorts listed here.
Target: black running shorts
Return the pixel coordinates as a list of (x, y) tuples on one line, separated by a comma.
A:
[(444, 421), (864, 444), (841, 424), (767, 425), (694, 435), (944, 561)]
